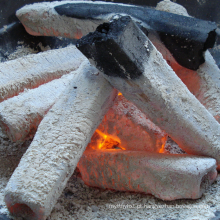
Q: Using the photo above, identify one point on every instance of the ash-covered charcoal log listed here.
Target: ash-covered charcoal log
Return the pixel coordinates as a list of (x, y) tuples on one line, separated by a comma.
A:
[(21, 115), (36, 69), (59, 142), (186, 37), (203, 83), (126, 57), (125, 126), (167, 177)]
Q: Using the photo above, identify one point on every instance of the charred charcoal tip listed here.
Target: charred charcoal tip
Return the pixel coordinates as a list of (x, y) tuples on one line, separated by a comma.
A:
[(103, 28), (105, 31), (105, 49)]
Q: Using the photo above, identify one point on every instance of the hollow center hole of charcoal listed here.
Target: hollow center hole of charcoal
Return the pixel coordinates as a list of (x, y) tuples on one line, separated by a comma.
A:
[(104, 28), (23, 210)]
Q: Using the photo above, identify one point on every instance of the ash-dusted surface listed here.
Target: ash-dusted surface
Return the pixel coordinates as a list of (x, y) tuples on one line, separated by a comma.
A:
[(59, 142), (33, 70), (171, 7), (80, 202), (166, 176), (21, 115), (158, 92), (48, 22)]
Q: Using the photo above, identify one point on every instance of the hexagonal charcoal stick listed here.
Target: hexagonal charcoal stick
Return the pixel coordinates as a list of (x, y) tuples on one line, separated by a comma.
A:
[(21, 115), (36, 69), (126, 57), (59, 142), (165, 176), (186, 38)]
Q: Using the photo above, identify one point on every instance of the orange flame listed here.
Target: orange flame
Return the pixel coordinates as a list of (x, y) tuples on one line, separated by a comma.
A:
[(105, 141), (162, 149)]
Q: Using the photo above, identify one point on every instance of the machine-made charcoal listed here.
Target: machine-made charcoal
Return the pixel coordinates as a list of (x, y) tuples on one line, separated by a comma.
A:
[(126, 57), (36, 69), (59, 142), (186, 37), (21, 115), (165, 176), (126, 127), (203, 83)]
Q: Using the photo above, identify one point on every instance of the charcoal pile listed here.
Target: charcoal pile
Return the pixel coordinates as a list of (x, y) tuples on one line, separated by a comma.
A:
[(136, 78)]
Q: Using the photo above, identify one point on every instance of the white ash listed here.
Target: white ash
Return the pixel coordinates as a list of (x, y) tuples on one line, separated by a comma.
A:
[(79, 201), (21, 114), (52, 22), (10, 154), (39, 69), (22, 50), (59, 142), (171, 7)]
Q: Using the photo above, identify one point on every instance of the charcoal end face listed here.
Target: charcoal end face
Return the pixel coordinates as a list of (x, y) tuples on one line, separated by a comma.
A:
[(105, 31), (107, 54), (188, 53)]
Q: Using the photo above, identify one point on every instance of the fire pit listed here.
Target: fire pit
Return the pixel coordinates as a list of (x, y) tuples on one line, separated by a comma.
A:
[(67, 127)]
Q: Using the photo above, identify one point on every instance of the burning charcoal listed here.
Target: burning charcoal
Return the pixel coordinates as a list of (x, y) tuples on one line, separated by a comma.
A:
[(126, 127), (21, 115), (60, 141), (165, 176), (132, 65), (101, 140), (203, 83), (171, 147), (186, 38), (34, 70)]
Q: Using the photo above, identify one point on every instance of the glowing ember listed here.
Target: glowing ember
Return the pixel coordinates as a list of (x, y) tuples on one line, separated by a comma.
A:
[(162, 149), (126, 127), (104, 141)]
